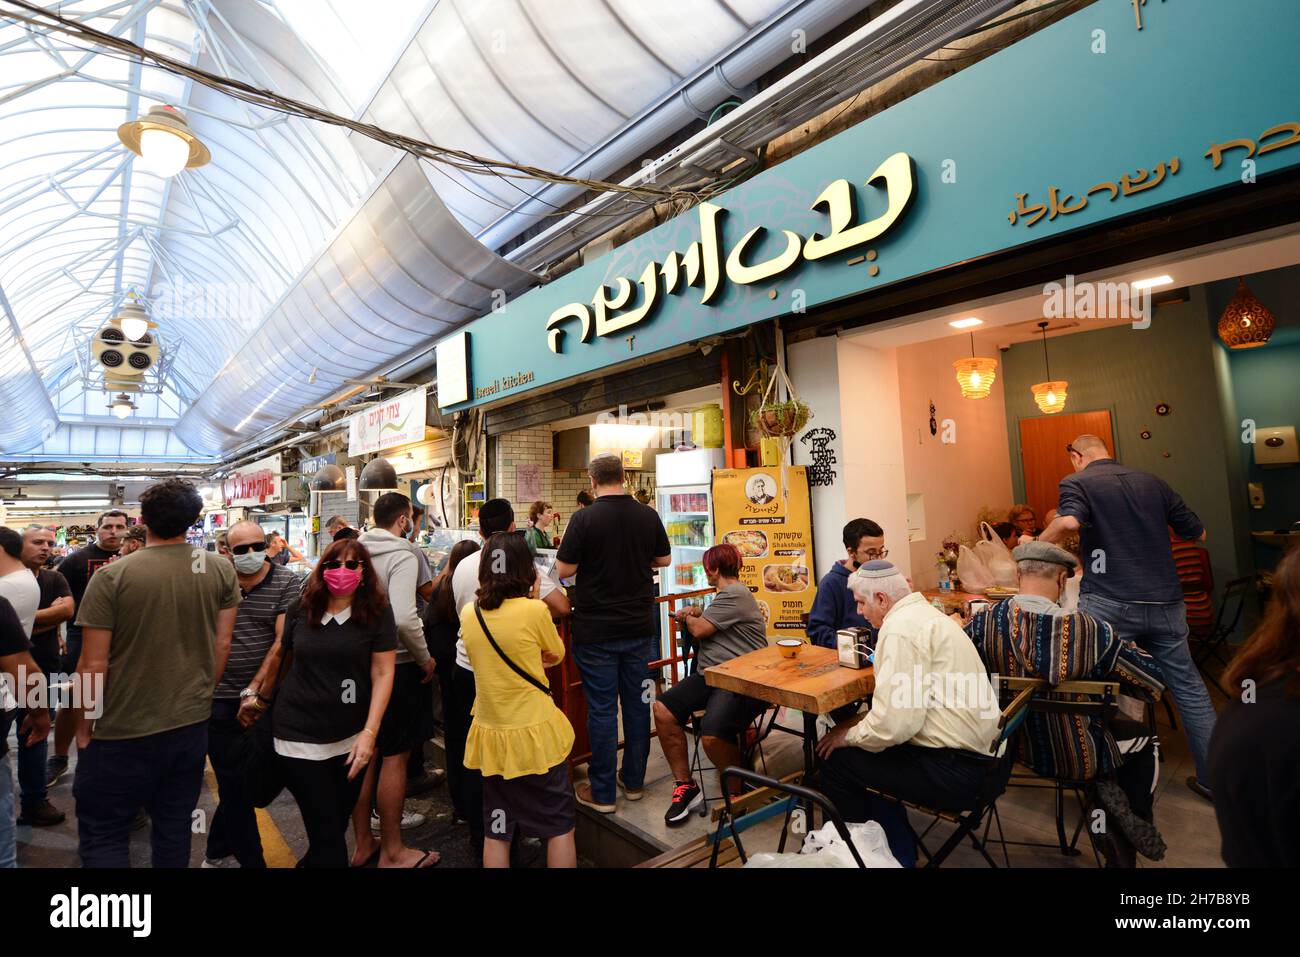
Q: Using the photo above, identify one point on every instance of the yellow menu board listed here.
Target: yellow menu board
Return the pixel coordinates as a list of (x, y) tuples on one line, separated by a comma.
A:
[(773, 531)]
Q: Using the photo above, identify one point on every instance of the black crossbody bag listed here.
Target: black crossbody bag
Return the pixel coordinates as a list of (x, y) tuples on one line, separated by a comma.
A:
[(506, 658)]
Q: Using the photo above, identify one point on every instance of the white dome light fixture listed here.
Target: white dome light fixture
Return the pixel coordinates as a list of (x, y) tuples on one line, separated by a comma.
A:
[(134, 321), (164, 142), (122, 406)]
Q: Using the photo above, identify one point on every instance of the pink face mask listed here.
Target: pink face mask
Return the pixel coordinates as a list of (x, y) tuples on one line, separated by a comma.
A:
[(342, 581)]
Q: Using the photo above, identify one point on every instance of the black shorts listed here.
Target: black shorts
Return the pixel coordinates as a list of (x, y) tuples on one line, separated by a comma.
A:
[(537, 805), (726, 714), (408, 720)]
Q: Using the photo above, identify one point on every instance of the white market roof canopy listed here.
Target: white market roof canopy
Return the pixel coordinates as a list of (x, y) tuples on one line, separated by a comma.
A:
[(303, 254)]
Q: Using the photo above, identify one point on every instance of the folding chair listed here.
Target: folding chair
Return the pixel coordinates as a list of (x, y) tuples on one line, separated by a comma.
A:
[(1225, 623), (1100, 700), (997, 770), (749, 747), (733, 825)]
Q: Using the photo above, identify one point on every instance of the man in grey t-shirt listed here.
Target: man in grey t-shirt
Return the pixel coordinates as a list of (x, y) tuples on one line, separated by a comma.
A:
[(731, 626)]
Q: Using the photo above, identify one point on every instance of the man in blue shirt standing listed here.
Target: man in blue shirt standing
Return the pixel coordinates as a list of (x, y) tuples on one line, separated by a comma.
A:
[(1123, 518), (835, 607)]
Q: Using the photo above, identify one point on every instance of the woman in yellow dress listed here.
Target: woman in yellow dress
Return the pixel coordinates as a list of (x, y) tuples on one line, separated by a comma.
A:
[(519, 740)]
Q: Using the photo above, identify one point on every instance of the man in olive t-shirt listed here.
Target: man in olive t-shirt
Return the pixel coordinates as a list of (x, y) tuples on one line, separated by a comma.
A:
[(156, 630)]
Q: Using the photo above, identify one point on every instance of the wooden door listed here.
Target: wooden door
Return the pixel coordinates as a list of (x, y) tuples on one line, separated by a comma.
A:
[(1043, 457)]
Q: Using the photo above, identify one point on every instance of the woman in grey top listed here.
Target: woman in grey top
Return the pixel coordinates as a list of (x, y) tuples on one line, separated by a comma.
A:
[(731, 626)]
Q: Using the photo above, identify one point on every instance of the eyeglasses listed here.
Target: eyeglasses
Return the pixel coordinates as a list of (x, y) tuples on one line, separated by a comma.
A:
[(877, 553), (1072, 450), (251, 546), (352, 564)]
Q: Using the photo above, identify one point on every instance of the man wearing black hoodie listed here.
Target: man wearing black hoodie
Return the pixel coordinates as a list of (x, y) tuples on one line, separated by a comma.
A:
[(835, 607)]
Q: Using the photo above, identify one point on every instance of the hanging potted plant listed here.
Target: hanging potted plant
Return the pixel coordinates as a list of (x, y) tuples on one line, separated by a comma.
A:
[(781, 419)]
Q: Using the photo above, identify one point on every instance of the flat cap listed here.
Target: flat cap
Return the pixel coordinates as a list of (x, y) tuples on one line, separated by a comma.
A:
[(1045, 552)]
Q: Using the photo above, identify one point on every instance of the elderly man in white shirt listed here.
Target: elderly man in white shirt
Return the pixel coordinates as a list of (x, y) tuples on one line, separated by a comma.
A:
[(933, 717)]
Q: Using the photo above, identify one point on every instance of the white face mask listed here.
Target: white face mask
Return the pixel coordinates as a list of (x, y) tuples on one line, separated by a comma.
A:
[(249, 563)]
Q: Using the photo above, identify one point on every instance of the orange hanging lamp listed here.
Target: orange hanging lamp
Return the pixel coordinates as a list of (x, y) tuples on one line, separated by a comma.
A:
[(1246, 323), (975, 375), (1049, 395)]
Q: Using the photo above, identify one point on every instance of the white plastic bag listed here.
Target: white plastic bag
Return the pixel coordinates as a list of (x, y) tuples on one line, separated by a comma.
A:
[(996, 557), (970, 569), (768, 860), (869, 838)]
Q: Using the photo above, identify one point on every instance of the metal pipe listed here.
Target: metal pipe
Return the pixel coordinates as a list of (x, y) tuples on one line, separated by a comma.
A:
[(751, 56)]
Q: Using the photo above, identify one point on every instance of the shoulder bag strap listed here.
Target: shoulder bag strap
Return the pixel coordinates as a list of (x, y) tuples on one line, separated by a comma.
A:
[(504, 657)]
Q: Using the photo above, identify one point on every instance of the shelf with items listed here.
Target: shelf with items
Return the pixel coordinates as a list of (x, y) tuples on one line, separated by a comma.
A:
[(475, 494)]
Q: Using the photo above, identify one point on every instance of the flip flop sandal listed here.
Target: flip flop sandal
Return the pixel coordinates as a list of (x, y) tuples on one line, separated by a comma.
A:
[(372, 859), (420, 866)]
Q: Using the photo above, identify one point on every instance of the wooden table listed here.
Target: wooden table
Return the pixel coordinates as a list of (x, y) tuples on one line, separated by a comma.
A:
[(812, 683), (956, 600)]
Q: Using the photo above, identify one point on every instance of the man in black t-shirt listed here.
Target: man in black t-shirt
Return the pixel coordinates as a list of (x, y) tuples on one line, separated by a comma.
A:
[(55, 607), (614, 547), (78, 568), (16, 667)]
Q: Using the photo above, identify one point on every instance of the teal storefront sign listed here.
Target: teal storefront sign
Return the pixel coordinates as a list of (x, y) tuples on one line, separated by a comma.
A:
[(1087, 120)]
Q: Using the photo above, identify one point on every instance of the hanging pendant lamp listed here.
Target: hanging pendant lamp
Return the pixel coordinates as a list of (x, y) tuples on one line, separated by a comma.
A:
[(1049, 395), (330, 478), (122, 406), (1246, 323), (976, 374), (378, 476), (133, 319), (164, 142)]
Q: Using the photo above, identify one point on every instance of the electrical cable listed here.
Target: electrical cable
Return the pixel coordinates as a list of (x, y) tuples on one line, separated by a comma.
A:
[(47, 21)]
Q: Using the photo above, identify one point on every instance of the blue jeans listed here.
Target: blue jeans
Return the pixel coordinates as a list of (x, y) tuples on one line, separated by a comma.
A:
[(1160, 629), (162, 773), (8, 824), (613, 671)]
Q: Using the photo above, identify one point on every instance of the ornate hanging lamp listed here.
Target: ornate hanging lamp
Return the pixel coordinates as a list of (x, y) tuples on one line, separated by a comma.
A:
[(976, 374), (1246, 323), (1049, 395)]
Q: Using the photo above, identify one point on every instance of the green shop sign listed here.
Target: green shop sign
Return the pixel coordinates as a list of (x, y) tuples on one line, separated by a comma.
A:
[(1084, 121)]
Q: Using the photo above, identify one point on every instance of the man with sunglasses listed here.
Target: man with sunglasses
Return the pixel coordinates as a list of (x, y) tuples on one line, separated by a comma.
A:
[(835, 608), (267, 589)]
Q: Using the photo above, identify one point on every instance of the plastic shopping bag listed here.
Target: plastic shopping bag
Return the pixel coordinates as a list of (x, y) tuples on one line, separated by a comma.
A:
[(869, 838), (975, 577), (996, 557), (768, 860), (825, 848)]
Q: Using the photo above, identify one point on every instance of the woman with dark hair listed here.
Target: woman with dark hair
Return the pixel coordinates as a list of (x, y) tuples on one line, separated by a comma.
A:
[(441, 629), (340, 645), (731, 626), (1255, 750), (519, 740)]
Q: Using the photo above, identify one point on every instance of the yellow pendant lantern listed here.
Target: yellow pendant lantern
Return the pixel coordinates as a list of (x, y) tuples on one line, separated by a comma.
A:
[(1246, 323), (975, 375), (1049, 395)]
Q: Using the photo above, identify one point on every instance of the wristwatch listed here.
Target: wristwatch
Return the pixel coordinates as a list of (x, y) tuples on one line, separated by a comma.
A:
[(247, 693)]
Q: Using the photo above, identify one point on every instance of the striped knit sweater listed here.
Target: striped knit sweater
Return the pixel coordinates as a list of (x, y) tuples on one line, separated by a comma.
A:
[(1065, 647)]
